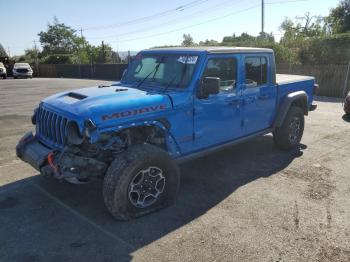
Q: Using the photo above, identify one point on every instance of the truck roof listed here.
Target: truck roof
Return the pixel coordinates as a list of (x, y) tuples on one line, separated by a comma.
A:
[(215, 49)]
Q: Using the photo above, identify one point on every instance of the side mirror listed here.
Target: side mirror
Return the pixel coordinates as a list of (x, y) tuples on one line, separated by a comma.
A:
[(209, 86)]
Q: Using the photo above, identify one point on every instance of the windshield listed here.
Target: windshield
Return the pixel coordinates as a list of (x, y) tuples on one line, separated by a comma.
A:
[(167, 70), (21, 65)]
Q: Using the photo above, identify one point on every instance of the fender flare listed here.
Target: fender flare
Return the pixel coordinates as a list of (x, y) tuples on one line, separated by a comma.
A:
[(299, 97)]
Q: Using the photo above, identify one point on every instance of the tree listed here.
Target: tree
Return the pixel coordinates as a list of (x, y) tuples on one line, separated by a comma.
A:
[(188, 40), (99, 54), (317, 40), (2, 51), (305, 27), (339, 18), (208, 42), (30, 56), (299, 35), (248, 40), (61, 44)]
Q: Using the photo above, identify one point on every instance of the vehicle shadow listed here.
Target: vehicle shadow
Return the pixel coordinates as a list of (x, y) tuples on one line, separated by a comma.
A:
[(328, 99), (50, 221), (346, 118)]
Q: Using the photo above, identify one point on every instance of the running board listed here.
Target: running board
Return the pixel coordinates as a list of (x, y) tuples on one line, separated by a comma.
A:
[(214, 149)]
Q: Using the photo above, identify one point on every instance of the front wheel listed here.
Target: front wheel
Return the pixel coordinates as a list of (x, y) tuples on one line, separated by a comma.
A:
[(289, 135), (140, 180)]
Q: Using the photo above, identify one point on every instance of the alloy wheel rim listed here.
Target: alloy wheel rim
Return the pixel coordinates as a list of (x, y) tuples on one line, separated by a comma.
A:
[(146, 187), (295, 130)]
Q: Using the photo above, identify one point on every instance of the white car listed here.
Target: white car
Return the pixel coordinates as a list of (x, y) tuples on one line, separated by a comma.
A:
[(22, 70), (3, 72)]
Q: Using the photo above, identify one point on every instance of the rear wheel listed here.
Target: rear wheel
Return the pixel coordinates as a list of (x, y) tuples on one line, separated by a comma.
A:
[(141, 180), (289, 135)]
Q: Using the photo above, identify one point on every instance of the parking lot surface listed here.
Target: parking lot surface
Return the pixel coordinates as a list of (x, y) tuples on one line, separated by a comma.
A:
[(251, 202)]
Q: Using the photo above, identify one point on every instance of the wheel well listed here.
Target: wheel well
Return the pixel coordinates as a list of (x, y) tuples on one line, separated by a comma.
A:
[(302, 103), (144, 134), (296, 99)]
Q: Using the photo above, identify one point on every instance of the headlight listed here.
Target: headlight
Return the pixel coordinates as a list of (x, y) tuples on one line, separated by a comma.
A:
[(73, 134), (89, 127)]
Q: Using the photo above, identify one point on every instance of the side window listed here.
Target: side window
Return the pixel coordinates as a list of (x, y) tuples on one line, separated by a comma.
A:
[(255, 71), (225, 69)]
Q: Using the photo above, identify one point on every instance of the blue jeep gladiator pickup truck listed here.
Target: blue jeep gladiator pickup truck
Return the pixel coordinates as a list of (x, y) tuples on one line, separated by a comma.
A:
[(171, 105)]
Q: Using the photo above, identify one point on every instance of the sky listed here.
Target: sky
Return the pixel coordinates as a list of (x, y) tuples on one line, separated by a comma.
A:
[(135, 25)]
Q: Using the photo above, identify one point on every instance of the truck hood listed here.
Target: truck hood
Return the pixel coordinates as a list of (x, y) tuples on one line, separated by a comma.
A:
[(108, 105)]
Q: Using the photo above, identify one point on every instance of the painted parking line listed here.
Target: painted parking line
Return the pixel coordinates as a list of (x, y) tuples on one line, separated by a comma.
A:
[(85, 219)]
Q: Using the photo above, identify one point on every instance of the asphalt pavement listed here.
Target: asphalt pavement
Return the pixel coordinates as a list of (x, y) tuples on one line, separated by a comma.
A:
[(251, 202)]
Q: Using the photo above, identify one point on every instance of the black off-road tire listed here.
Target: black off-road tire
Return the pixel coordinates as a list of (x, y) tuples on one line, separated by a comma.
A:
[(124, 169), (282, 135)]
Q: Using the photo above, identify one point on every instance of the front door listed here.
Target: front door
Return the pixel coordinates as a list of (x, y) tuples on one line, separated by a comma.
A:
[(217, 119), (259, 95)]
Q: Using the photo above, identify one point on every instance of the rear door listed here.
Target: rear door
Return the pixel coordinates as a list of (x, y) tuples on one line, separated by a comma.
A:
[(259, 94), (217, 119)]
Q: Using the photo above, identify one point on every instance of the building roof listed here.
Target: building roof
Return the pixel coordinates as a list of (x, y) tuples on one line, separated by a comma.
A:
[(216, 49)]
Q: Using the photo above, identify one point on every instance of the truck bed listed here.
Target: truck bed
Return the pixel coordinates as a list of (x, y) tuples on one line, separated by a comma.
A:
[(293, 83), (287, 79)]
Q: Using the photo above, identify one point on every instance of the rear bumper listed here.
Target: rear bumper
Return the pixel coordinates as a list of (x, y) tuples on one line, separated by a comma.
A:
[(30, 150)]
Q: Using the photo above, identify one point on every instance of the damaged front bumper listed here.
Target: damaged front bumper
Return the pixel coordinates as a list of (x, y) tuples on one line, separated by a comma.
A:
[(30, 150), (63, 164)]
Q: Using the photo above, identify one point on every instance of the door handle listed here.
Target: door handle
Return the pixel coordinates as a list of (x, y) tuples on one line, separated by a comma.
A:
[(235, 102), (264, 96)]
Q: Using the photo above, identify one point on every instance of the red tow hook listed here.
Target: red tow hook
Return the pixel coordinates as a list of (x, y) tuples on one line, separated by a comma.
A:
[(50, 160)]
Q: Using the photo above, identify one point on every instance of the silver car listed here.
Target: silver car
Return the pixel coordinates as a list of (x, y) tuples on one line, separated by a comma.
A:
[(22, 70), (3, 72)]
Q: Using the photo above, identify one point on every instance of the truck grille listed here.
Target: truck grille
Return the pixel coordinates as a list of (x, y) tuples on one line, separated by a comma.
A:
[(51, 127), (22, 70)]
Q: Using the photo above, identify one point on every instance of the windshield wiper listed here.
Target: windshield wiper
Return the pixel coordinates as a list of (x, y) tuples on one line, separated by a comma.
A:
[(176, 75), (154, 72)]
